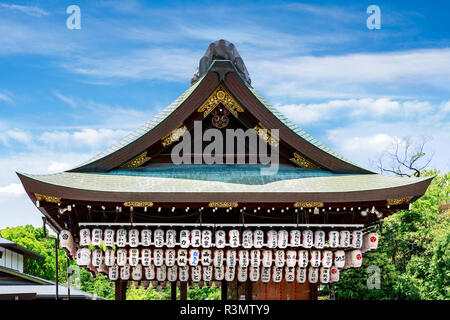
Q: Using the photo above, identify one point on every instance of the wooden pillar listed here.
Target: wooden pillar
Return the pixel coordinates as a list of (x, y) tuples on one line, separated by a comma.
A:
[(248, 290), (121, 289), (183, 290), (173, 290), (224, 290)]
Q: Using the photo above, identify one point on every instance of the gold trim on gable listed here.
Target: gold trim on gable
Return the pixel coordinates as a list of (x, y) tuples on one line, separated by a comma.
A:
[(51, 199), (137, 161), (220, 95), (308, 204), (138, 204), (397, 201), (173, 135), (302, 162), (223, 204), (266, 135)]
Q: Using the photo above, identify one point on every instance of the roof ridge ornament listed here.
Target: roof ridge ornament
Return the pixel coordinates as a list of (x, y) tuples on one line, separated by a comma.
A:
[(221, 50)]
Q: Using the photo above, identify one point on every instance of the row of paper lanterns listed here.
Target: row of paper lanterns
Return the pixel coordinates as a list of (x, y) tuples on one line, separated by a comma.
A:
[(211, 273), (218, 257), (204, 238)]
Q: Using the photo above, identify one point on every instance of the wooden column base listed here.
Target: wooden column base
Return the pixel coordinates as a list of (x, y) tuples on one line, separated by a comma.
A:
[(121, 289)]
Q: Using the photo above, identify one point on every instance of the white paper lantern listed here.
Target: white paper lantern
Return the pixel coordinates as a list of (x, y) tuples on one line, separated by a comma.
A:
[(218, 257), (150, 273), (219, 273), (327, 258), (146, 237), (171, 238), (356, 257), (233, 236), (121, 238), (247, 239), (295, 238), (334, 274), (339, 259), (255, 258), (183, 273), (319, 239), (254, 273), (277, 274), (344, 239), (122, 257), (333, 239), (196, 238), (313, 275), (133, 238), (206, 238), (182, 257), (207, 273), (357, 239), (146, 256), (265, 274), (161, 273), (370, 241), (113, 273), (267, 258), (97, 236), (220, 239), (324, 275), (170, 257), (172, 273), (125, 272), (303, 258), (307, 239), (229, 273), (301, 275), (185, 238), (283, 239), (272, 239), (109, 237), (206, 257), (280, 258), (231, 258), (194, 257), (244, 259), (83, 257), (289, 274), (196, 273), (110, 257), (242, 274), (291, 258), (133, 257), (258, 238), (158, 238), (66, 241), (158, 257), (315, 258), (85, 237), (136, 273)]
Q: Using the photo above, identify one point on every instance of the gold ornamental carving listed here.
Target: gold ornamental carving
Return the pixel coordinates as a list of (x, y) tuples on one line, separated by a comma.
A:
[(302, 162), (137, 161), (222, 96), (174, 135)]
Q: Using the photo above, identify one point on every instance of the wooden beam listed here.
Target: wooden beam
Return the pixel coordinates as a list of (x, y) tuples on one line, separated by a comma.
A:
[(183, 290), (120, 290)]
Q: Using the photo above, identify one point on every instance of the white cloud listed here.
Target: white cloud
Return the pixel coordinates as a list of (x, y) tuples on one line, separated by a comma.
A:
[(351, 75), (9, 136), (11, 190), (446, 106), (55, 166), (30, 10), (68, 100), (6, 97), (377, 142), (354, 108)]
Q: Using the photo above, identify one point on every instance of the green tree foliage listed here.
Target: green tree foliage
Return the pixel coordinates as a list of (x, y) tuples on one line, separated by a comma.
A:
[(413, 253)]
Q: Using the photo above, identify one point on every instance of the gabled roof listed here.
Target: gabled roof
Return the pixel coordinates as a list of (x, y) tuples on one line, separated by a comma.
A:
[(221, 71), (5, 243)]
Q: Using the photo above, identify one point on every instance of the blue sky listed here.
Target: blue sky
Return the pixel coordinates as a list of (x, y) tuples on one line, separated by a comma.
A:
[(67, 94)]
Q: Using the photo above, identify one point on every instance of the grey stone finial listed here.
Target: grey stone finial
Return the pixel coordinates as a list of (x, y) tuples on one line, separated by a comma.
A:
[(221, 50)]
